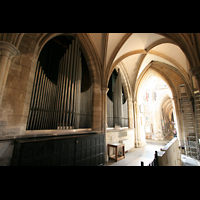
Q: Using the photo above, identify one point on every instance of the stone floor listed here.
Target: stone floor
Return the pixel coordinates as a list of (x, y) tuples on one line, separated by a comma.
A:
[(135, 155), (187, 161)]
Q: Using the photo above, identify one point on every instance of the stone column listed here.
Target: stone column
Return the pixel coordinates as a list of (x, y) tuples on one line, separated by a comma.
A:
[(130, 113), (7, 53), (137, 126), (139, 141), (104, 107), (136, 122), (104, 91), (178, 118), (96, 108)]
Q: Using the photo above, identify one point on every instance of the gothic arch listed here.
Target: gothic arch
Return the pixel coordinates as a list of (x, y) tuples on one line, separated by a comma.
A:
[(143, 79), (12, 38), (94, 66), (147, 73), (125, 80), (164, 72), (23, 67), (40, 39)]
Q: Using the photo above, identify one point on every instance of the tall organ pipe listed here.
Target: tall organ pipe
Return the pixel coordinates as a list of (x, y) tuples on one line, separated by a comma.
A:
[(33, 96), (117, 101), (66, 86), (35, 99), (72, 87)]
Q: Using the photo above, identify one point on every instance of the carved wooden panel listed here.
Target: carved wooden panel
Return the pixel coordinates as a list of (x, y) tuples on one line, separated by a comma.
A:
[(82, 150)]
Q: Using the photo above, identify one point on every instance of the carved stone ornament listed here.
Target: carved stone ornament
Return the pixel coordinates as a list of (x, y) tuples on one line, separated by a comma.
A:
[(8, 49)]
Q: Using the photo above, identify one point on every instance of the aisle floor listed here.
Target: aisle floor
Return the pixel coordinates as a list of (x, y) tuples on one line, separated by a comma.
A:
[(135, 155)]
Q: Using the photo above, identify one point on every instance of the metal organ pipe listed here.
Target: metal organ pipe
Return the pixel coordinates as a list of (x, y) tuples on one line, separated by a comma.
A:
[(63, 91), (72, 88), (117, 101), (77, 92), (33, 96), (35, 100), (66, 86), (57, 106)]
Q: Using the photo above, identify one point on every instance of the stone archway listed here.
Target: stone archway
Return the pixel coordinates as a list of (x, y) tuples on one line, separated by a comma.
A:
[(94, 70), (86, 47), (116, 135), (173, 79), (153, 117), (128, 93), (167, 67)]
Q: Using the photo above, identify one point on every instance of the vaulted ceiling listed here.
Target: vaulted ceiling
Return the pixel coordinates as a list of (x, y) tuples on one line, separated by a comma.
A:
[(135, 51), (131, 51)]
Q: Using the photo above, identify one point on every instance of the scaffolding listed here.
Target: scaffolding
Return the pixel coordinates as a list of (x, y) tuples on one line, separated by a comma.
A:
[(190, 123), (197, 121)]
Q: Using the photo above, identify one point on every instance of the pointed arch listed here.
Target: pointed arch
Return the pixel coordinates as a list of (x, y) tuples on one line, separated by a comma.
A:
[(30, 46), (163, 70), (86, 46)]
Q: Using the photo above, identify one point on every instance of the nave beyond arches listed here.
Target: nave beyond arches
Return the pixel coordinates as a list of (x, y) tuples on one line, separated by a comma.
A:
[(155, 105), (174, 57)]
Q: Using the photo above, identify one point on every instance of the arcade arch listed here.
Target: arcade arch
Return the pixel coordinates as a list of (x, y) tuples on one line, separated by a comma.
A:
[(154, 107), (143, 54), (14, 111)]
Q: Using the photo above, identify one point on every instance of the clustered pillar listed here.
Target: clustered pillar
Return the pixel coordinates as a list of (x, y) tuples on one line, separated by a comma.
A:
[(7, 53)]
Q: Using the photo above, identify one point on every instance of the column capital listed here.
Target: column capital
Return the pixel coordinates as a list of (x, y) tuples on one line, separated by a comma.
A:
[(195, 71), (129, 99), (105, 89), (8, 49)]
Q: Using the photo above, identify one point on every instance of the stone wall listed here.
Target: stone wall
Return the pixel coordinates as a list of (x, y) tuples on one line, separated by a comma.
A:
[(16, 99), (117, 135)]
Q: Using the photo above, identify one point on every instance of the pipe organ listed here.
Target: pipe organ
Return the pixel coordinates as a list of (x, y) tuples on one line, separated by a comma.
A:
[(117, 101), (57, 106), (117, 112)]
